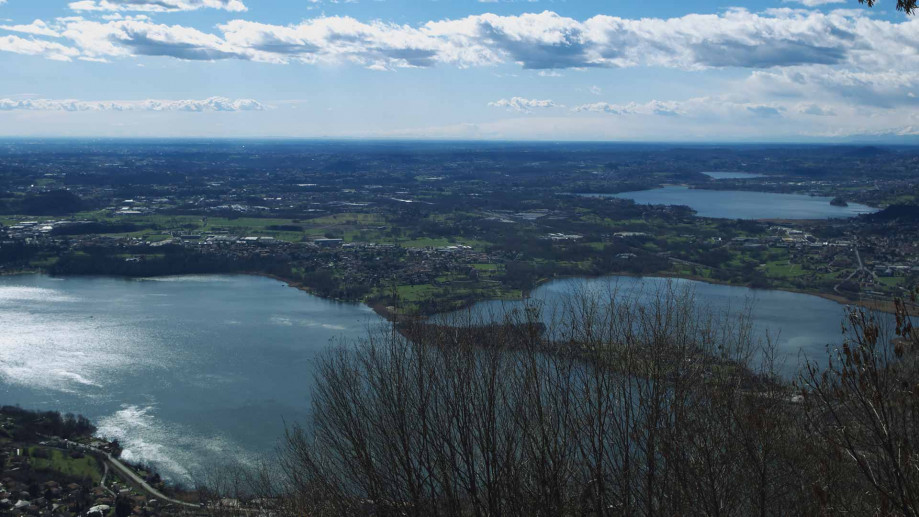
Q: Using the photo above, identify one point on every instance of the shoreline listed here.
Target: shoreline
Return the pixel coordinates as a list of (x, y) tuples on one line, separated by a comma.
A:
[(885, 306), (378, 308)]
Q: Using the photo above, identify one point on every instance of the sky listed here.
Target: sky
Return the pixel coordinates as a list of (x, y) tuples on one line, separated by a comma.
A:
[(597, 70)]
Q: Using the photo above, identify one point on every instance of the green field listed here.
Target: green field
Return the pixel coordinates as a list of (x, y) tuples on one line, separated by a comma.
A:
[(892, 281), (784, 269), (85, 467)]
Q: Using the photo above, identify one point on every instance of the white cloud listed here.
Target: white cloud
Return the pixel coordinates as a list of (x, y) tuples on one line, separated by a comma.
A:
[(816, 110), (522, 105), (36, 28), (35, 47), (720, 118), (649, 108), (156, 5), (211, 104), (132, 37), (837, 72), (742, 115), (884, 88), (814, 3), (542, 41), (721, 107)]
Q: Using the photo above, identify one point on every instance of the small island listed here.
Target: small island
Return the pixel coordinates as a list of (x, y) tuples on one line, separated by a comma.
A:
[(838, 201)]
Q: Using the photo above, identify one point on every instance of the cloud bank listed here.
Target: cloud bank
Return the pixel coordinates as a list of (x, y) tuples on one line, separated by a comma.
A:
[(737, 38), (156, 5), (206, 105), (522, 105)]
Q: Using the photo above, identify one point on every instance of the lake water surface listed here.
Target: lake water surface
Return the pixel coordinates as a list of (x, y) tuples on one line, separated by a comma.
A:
[(729, 204), (183, 370), (800, 325), (187, 371)]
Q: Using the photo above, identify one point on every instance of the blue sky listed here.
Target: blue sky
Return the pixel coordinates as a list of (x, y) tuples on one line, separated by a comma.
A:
[(803, 70)]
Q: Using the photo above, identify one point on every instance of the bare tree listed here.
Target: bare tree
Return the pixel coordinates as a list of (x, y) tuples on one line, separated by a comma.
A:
[(640, 404), (636, 403), (864, 410)]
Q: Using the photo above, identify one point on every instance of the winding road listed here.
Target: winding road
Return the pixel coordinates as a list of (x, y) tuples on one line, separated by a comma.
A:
[(136, 480)]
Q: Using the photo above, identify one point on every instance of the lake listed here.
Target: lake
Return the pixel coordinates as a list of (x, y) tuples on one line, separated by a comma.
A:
[(729, 204), (189, 370), (182, 370), (799, 325), (732, 175)]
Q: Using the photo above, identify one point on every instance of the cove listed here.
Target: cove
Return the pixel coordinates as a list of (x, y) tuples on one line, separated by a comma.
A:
[(800, 325)]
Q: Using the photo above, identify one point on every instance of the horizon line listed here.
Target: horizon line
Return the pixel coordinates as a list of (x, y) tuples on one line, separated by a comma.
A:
[(907, 141)]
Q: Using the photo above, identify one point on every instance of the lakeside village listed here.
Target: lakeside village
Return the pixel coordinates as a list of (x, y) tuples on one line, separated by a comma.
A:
[(47, 475), (850, 260)]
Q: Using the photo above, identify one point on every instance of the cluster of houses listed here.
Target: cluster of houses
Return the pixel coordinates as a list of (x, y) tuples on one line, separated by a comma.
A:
[(27, 490), (35, 229), (50, 498)]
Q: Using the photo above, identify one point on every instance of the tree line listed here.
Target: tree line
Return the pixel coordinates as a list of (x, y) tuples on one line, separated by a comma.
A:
[(616, 407), (36, 424)]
